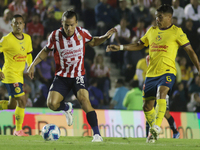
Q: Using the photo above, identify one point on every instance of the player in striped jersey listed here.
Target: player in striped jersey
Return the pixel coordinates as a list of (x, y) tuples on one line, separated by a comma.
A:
[(68, 45)]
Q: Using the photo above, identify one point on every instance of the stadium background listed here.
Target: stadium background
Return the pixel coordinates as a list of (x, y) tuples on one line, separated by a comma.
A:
[(112, 123)]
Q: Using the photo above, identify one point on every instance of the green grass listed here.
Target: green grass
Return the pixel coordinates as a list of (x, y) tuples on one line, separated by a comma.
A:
[(8, 142)]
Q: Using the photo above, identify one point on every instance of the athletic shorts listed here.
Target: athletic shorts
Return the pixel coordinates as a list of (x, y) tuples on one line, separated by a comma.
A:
[(151, 85), (14, 89), (64, 85)]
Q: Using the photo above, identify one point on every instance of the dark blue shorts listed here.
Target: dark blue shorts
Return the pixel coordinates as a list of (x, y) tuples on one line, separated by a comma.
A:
[(14, 89), (151, 85), (64, 85)]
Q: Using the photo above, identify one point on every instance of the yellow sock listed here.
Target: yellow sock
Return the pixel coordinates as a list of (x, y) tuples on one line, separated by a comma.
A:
[(150, 116), (19, 117), (160, 110), (3, 104)]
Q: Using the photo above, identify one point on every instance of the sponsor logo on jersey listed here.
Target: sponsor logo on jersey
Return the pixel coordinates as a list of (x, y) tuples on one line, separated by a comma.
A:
[(19, 58)]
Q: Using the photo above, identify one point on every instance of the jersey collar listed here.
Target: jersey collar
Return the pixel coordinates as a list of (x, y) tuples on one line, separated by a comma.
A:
[(64, 34), (17, 37)]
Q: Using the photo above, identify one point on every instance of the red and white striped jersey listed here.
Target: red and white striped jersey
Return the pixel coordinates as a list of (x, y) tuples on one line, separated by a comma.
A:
[(69, 51)]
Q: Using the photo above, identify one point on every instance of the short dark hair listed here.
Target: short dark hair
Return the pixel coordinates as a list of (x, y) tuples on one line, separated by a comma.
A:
[(165, 9), (134, 83), (120, 81), (18, 16), (69, 14)]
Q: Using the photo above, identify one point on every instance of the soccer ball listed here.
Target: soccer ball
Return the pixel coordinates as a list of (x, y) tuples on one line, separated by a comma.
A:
[(50, 132)]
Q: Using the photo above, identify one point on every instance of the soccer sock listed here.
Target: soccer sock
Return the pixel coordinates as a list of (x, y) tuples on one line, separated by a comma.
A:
[(19, 118), (150, 116), (172, 124), (3, 104), (92, 120), (160, 110), (63, 106), (147, 129)]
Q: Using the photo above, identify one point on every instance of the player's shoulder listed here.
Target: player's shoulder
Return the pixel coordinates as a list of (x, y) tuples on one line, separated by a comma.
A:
[(176, 28), (26, 35)]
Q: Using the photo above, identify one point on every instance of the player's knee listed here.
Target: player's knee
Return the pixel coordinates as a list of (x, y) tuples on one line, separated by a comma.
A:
[(52, 105), (147, 107)]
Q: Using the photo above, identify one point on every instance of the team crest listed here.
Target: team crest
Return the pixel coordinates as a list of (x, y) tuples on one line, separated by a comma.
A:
[(158, 38), (79, 37), (22, 48), (17, 90)]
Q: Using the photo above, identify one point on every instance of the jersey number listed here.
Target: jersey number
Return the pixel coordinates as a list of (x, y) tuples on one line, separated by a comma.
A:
[(168, 78), (79, 80)]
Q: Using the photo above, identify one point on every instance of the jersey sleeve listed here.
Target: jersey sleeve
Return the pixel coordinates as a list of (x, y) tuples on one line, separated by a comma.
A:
[(87, 35), (182, 38), (50, 42), (3, 44), (30, 48), (144, 39)]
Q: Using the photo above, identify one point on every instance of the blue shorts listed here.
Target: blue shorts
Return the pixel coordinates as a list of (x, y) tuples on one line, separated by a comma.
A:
[(14, 89), (64, 85), (151, 85)]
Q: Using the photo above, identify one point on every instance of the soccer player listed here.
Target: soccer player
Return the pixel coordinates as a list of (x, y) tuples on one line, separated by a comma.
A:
[(16, 47), (68, 45), (163, 41)]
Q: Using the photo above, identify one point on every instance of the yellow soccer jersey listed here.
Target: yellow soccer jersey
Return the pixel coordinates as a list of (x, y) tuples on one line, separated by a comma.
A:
[(142, 65), (15, 52), (163, 46)]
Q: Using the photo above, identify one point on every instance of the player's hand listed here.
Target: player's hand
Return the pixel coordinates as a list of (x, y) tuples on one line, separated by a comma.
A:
[(30, 72), (1, 76), (112, 48), (110, 33)]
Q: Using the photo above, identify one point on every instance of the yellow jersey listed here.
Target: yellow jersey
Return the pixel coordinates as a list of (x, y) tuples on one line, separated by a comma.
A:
[(141, 65), (163, 46), (15, 52)]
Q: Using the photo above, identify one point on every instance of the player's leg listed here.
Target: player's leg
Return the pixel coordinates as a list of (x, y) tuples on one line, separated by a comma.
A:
[(17, 100), (172, 124), (83, 98), (171, 121), (56, 103)]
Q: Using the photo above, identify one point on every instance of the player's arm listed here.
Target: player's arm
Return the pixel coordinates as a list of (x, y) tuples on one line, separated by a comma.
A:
[(99, 40), (1, 75), (129, 47), (193, 56), (29, 59), (41, 56)]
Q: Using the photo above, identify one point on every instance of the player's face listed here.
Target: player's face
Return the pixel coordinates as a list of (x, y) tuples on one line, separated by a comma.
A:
[(163, 19), (17, 25), (69, 25)]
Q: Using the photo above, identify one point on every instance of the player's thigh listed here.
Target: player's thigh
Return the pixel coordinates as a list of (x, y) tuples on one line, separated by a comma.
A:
[(16, 94), (150, 88), (54, 98), (60, 87), (166, 83)]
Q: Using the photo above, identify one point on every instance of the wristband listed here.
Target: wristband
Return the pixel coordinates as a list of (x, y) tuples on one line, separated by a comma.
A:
[(121, 47)]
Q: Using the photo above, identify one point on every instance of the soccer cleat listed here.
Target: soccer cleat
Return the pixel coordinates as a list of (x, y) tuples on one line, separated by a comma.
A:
[(176, 135), (68, 114), (150, 139), (155, 130), (97, 138), (20, 133)]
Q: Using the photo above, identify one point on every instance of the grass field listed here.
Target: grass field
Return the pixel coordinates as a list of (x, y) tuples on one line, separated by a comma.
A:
[(8, 142)]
